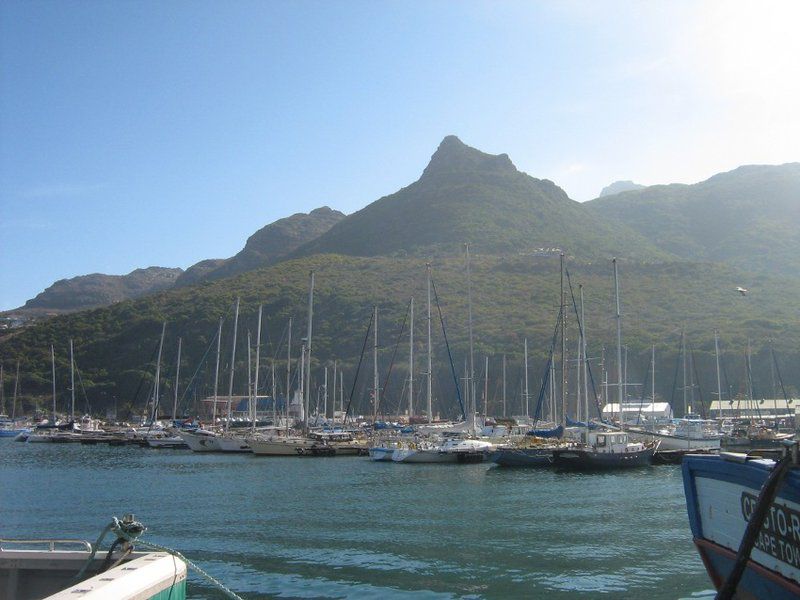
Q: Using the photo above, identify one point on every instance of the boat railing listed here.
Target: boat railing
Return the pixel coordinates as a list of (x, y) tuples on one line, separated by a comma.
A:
[(9, 545)]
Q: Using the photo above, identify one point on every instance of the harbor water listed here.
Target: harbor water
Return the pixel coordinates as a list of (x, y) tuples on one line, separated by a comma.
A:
[(352, 528)]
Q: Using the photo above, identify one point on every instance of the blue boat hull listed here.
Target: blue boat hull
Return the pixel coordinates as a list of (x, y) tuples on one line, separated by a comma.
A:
[(588, 460), (522, 457), (720, 497)]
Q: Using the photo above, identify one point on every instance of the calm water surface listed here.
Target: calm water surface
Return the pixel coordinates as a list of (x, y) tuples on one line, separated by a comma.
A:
[(351, 528)]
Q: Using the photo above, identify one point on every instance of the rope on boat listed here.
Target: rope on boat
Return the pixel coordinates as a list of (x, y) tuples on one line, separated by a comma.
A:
[(129, 530)]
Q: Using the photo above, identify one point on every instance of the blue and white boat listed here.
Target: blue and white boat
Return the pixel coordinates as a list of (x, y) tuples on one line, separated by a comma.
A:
[(722, 493), (10, 428)]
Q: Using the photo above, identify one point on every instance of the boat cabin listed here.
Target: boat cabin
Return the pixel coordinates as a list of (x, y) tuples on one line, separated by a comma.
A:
[(612, 442)]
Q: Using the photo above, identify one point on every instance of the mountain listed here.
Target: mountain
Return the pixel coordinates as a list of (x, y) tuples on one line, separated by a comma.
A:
[(90, 291), (465, 195), (683, 250), (198, 272), (266, 246), (748, 217), (620, 186)]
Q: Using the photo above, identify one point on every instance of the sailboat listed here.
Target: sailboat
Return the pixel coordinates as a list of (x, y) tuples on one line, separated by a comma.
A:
[(296, 445), (687, 434), (230, 441), (205, 440), (453, 450), (608, 449), (53, 431), (10, 426), (538, 447)]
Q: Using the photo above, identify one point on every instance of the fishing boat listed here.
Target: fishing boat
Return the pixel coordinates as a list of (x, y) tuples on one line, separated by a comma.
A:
[(605, 450), (744, 514)]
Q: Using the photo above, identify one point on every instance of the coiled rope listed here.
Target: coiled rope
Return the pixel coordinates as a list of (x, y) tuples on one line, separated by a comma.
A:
[(129, 530)]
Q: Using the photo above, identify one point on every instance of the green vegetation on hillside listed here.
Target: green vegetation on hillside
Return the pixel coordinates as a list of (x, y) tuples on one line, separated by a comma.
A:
[(514, 298)]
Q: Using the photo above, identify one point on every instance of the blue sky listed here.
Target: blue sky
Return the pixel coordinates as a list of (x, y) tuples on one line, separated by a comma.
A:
[(162, 133)]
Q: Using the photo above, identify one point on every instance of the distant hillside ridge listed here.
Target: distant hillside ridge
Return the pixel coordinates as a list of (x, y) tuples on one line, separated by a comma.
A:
[(465, 195), (620, 186), (748, 217), (97, 289), (266, 246)]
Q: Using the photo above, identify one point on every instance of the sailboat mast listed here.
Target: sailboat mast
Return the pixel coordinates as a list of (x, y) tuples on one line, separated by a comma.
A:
[(471, 378), (486, 387), (585, 361), (71, 381), (216, 375), (411, 364), (233, 363), (719, 383), (430, 352), (341, 394), (157, 388), (288, 372), (2, 391), (250, 408), (525, 361), (307, 386), (303, 381), (579, 368), (653, 382), (619, 346), (683, 358), (177, 380), (274, 397), (504, 385), (333, 400), (563, 349), (53, 368), (16, 388), (325, 396), (375, 381), (258, 364)]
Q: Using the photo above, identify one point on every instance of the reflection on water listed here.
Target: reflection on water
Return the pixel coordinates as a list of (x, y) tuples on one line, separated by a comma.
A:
[(351, 528)]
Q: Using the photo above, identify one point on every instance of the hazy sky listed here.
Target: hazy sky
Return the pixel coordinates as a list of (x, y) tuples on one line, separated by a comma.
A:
[(162, 133)]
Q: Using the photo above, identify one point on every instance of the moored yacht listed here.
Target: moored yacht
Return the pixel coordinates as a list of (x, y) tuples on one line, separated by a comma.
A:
[(451, 451), (689, 433), (201, 440), (289, 446), (605, 450)]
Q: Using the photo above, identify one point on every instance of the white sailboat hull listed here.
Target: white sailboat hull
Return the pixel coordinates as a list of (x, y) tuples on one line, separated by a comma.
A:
[(232, 443), (281, 446), (205, 442), (407, 455), (676, 442)]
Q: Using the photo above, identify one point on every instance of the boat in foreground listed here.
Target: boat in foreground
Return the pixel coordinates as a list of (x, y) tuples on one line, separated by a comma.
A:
[(47, 569), (722, 494)]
